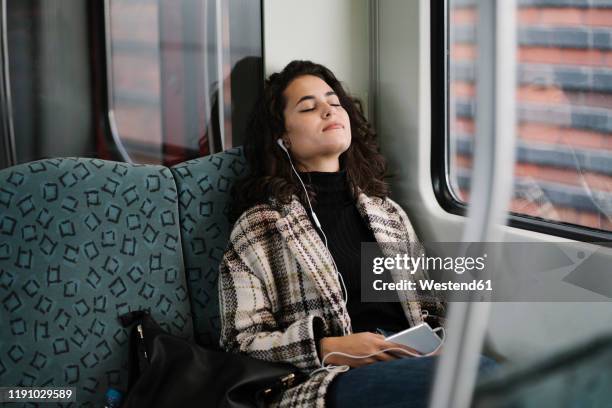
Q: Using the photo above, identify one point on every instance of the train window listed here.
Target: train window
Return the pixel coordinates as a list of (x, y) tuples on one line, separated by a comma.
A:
[(50, 82), (563, 171), (182, 76), (145, 81)]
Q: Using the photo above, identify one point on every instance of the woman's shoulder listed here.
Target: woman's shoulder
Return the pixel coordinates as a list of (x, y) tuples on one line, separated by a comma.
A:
[(397, 209), (255, 219), (388, 209), (259, 212), (383, 204), (393, 206)]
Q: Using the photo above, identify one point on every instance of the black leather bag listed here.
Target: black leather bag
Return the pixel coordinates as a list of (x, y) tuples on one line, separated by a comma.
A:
[(167, 371)]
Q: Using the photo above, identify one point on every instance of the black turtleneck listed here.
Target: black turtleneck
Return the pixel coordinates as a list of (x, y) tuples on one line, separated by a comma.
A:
[(341, 221)]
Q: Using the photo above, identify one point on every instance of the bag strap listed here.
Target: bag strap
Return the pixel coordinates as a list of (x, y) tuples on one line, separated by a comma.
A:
[(138, 359)]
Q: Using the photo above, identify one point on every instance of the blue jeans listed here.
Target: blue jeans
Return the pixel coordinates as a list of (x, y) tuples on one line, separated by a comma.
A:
[(404, 382)]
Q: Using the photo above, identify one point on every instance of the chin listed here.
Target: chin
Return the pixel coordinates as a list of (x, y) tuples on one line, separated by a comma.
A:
[(340, 147), (340, 140)]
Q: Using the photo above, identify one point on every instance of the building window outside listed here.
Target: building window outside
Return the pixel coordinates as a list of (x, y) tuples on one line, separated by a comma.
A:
[(564, 143)]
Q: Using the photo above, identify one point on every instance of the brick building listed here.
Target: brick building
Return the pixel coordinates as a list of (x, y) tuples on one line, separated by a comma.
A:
[(564, 91)]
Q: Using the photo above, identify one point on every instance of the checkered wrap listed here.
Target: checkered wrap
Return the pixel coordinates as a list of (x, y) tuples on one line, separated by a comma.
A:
[(278, 290)]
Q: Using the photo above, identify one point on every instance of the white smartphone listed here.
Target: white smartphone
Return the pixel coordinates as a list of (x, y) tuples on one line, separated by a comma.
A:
[(421, 338)]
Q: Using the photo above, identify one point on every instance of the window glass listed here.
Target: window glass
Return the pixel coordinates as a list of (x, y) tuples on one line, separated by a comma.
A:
[(147, 81), (564, 109), (135, 89), (183, 75), (50, 79)]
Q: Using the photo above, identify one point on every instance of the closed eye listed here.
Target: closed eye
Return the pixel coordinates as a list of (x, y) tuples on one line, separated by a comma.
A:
[(311, 109)]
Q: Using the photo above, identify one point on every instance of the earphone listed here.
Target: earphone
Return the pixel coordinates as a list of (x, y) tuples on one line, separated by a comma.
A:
[(316, 220)]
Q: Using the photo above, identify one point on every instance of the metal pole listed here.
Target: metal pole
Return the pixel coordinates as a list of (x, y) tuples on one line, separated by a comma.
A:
[(492, 179), (223, 73)]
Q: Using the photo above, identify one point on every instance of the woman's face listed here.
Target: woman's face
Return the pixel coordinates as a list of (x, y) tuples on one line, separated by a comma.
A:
[(318, 128)]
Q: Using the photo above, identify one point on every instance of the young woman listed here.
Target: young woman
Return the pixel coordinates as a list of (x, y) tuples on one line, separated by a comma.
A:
[(284, 280)]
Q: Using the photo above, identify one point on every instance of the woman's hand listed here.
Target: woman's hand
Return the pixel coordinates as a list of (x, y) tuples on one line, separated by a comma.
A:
[(360, 344)]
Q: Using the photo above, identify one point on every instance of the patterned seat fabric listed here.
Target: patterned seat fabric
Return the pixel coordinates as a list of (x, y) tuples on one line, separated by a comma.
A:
[(203, 188), (81, 242)]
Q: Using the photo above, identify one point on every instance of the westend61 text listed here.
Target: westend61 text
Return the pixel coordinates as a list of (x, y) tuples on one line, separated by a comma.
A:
[(430, 284)]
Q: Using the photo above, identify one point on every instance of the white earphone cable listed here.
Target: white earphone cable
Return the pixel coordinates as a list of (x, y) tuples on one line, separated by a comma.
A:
[(317, 223), (343, 368)]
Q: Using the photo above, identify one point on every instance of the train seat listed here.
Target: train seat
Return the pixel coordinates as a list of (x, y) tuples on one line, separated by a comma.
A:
[(203, 194), (83, 241)]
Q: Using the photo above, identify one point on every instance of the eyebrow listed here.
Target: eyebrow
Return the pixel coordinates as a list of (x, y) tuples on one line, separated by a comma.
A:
[(303, 98)]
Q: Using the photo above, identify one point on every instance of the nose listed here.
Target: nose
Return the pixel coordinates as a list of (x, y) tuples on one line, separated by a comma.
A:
[(327, 110)]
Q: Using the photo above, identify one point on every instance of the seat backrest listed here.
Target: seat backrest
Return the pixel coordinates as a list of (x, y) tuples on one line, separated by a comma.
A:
[(204, 197), (81, 242)]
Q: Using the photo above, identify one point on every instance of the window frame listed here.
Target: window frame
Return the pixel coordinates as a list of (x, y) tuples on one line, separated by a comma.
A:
[(8, 150), (440, 63)]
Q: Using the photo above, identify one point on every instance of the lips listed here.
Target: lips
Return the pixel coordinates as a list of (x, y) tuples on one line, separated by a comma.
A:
[(333, 125)]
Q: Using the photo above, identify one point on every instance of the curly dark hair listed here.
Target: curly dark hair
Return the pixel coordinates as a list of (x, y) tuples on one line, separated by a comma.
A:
[(270, 173)]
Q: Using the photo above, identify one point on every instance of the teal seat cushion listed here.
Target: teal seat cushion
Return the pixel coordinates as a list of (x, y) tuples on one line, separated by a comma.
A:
[(204, 197), (81, 242)]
